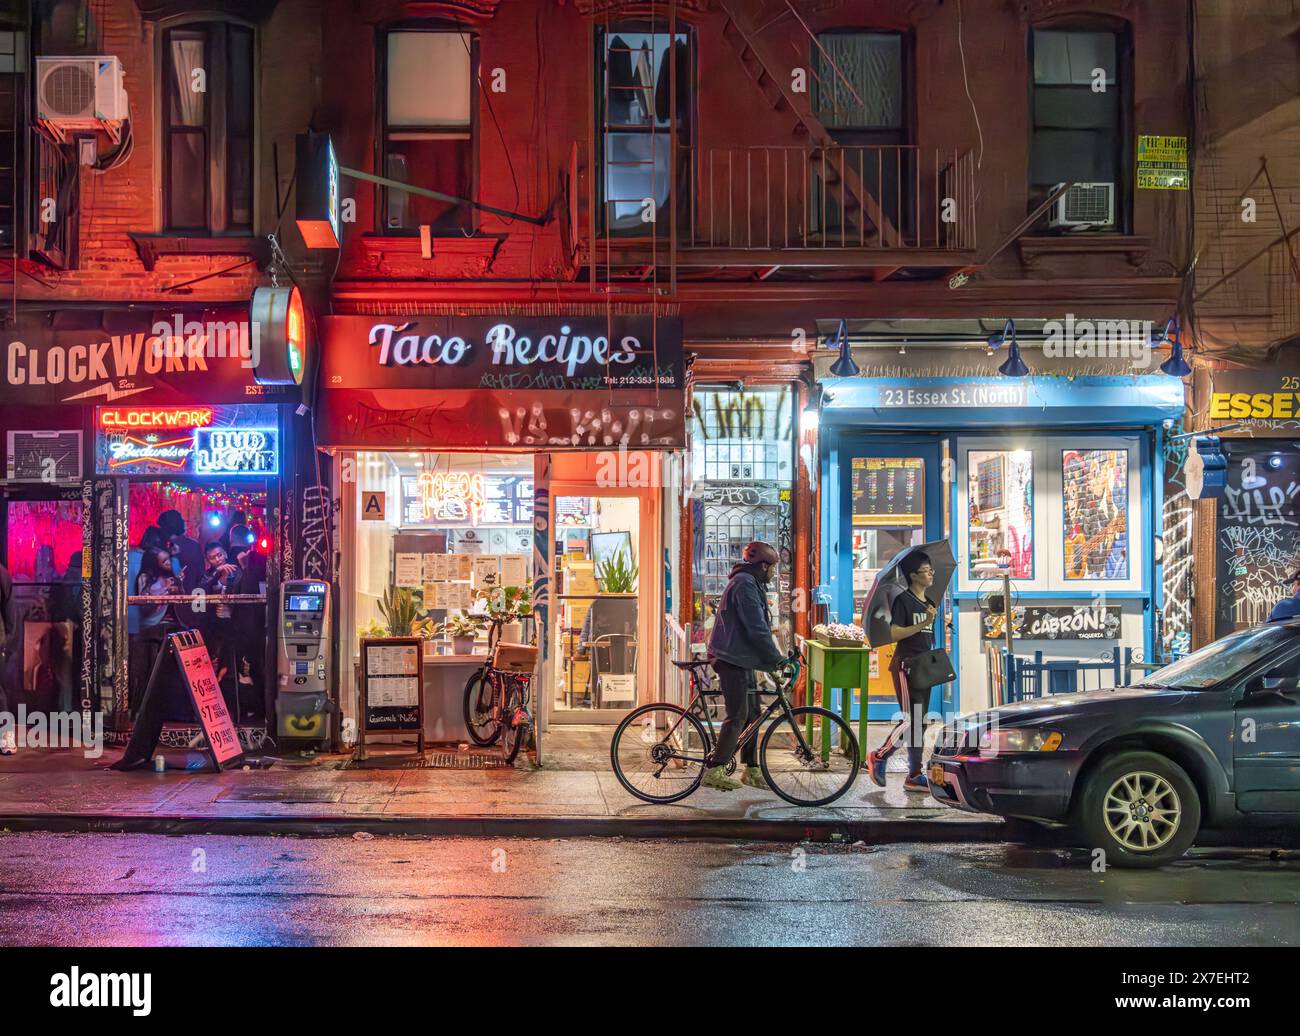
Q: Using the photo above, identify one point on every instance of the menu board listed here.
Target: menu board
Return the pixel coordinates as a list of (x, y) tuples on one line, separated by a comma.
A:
[(205, 692), (392, 688), (888, 491)]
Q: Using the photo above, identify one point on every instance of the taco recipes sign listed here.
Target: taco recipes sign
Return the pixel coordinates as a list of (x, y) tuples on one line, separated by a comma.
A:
[(503, 352)]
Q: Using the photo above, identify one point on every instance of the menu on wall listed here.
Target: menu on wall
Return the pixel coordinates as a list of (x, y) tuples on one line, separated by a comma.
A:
[(888, 491), (408, 570)]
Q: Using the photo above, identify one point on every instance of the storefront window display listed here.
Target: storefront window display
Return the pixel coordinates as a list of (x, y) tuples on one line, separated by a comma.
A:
[(742, 468), (1001, 496), (453, 524), (1095, 487)]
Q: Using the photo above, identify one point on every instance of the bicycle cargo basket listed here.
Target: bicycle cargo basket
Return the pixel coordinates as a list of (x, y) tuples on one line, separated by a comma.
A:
[(515, 658)]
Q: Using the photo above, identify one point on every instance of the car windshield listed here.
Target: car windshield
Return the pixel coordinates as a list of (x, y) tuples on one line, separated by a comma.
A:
[(1216, 662)]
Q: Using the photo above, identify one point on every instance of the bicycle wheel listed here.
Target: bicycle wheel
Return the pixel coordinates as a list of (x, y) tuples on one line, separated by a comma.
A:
[(514, 720), (795, 768), (483, 729), (658, 752)]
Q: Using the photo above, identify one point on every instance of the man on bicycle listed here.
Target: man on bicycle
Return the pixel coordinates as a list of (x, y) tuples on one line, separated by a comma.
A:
[(741, 642)]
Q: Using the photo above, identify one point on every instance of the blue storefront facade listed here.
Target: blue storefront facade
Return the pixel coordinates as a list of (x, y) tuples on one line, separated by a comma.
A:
[(1057, 478)]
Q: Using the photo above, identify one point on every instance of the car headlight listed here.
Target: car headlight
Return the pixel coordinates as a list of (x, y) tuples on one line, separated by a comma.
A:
[(1004, 740)]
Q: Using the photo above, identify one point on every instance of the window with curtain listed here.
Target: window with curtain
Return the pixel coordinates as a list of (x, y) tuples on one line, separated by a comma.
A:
[(208, 127), (635, 126), (430, 122), (1077, 111), (858, 86)]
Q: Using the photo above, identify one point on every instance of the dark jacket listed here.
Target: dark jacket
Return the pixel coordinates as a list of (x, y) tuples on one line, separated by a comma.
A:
[(742, 629)]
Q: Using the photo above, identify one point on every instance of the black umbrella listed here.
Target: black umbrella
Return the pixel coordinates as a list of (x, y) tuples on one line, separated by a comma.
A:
[(889, 583)]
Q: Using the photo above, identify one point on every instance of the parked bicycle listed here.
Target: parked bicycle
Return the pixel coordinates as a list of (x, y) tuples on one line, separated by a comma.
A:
[(808, 755), (497, 695)]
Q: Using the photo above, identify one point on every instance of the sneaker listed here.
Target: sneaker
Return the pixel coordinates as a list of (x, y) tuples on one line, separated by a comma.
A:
[(753, 776), (876, 768), (917, 782), (716, 777), (8, 743)]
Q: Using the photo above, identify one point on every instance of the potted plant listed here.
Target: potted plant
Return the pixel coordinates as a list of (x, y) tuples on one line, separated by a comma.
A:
[(400, 610), (462, 629), (617, 574), (507, 605)]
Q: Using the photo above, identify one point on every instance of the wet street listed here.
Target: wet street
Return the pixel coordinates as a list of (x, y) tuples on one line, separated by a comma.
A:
[(90, 890)]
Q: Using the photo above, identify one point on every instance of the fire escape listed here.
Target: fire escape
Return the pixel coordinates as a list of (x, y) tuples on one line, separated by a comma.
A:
[(798, 208)]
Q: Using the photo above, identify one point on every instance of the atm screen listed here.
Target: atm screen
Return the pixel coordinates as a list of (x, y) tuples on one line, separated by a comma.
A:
[(305, 603)]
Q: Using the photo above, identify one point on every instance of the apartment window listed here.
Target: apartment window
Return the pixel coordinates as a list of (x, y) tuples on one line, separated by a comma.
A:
[(66, 27), (859, 93), (636, 126), (13, 136), (430, 124), (1078, 118), (208, 127), (858, 86)]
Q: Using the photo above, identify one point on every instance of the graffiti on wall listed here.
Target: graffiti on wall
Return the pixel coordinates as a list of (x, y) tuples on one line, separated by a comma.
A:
[(1258, 541), (1177, 530), (314, 556)]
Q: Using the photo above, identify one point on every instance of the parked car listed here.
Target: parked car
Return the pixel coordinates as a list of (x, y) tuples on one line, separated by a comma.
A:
[(1213, 739)]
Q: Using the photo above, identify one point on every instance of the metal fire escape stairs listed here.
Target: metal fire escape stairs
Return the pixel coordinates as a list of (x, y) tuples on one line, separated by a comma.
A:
[(756, 47), (633, 274)]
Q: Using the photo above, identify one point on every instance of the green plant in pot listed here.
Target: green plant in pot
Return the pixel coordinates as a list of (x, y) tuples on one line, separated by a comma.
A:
[(462, 629), (400, 609), (617, 574)]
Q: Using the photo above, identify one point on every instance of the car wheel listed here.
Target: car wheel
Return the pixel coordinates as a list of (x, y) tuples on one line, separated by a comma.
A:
[(1140, 807)]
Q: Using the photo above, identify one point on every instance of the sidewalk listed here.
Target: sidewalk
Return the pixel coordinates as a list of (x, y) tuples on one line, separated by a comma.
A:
[(574, 795)]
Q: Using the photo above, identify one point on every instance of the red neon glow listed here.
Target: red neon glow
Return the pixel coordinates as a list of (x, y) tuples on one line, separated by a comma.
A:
[(155, 417)]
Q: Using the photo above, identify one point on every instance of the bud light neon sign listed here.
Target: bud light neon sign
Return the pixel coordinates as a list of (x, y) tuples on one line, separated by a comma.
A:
[(236, 451)]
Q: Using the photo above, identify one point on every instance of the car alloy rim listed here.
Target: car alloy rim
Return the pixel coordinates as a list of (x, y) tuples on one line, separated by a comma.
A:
[(1142, 811)]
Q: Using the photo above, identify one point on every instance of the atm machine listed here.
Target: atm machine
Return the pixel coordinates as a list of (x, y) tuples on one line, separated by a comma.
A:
[(305, 661)]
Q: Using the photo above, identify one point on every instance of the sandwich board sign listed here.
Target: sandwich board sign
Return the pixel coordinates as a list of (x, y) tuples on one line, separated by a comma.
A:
[(205, 692)]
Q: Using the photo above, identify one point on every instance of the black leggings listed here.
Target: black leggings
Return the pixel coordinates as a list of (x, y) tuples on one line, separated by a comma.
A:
[(740, 692)]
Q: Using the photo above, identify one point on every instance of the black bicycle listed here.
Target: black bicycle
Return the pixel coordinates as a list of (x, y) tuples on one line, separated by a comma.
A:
[(496, 696), (808, 755)]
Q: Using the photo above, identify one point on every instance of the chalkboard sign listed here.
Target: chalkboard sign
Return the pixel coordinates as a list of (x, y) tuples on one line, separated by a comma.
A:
[(888, 491), (392, 686)]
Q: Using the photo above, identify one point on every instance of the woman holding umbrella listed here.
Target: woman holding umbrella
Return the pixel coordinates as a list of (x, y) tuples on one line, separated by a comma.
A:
[(911, 623)]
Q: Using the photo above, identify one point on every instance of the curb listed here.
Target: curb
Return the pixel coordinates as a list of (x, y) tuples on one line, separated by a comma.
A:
[(870, 832)]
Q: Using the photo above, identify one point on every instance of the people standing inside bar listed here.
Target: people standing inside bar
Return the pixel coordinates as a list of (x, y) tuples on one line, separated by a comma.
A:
[(237, 519), (911, 627), (155, 577), (189, 558), (220, 577)]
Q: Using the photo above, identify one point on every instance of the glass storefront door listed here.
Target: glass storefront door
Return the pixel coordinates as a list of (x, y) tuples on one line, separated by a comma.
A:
[(599, 650), (891, 497)]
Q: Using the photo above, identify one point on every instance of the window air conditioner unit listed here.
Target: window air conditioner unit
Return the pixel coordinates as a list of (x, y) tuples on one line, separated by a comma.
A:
[(1084, 205), (75, 93)]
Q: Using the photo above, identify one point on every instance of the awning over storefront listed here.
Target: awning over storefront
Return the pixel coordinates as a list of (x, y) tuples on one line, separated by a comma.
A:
[(997, 401), (438, 382)]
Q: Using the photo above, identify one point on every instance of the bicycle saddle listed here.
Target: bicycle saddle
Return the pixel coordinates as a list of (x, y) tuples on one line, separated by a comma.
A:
[(693, 663)]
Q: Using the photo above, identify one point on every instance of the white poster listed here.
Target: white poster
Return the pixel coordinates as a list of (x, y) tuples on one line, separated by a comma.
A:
[(514, 570), (487, 570), (408, 570)]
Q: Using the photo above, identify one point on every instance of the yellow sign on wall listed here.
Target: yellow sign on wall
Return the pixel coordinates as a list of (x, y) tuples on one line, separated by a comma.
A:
[(1162, 163)]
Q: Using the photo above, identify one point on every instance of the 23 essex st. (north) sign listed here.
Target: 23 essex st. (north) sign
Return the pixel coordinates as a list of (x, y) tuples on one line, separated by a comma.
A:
[(563, 353)]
